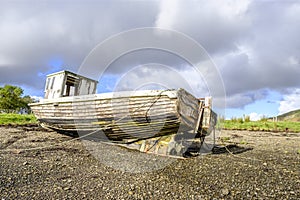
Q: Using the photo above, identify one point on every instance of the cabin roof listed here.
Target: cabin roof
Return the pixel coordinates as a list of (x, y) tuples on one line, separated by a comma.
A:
[(71, 73)]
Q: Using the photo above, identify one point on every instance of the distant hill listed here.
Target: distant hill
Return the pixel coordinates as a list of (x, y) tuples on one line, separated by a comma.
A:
[(290, 116)]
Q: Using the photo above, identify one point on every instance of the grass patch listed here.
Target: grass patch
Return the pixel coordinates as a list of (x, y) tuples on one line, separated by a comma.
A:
[(281, 126), (225, 139), (19, 119), (243, 142)]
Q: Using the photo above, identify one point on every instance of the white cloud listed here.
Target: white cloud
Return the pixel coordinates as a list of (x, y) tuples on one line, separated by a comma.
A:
[(290, 102), (37, 98), (167, 16), (217, 25), (254, 47), (157, 76), (255, 116)]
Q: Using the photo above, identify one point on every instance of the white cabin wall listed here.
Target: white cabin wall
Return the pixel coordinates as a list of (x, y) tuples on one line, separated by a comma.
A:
[(87, 87), (93, 88), (54, 86)]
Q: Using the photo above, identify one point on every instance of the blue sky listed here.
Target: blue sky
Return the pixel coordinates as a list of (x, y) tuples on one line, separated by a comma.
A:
[(267, 107), (254, 46)]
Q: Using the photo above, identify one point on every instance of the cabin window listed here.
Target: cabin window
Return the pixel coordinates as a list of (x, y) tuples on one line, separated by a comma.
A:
[(52, 83), (71, 86), (47, 83)]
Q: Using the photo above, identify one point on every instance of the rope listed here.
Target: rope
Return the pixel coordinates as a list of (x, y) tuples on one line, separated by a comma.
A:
[(155, 143), (159, 95), (103, 128)]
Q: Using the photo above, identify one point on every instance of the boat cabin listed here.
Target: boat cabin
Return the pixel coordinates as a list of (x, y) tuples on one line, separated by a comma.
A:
[(66, 83)]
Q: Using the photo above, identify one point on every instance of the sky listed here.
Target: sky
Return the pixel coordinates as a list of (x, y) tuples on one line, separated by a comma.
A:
[(250, 47)]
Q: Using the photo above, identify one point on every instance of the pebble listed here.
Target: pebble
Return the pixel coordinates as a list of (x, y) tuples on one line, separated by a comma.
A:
[(225, 191), (74, 175)]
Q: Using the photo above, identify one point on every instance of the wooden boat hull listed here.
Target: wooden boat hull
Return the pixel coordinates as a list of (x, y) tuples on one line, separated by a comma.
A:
[(127, 116)]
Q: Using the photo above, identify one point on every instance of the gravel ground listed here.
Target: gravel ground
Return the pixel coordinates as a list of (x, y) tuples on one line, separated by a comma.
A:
[(53, 167)]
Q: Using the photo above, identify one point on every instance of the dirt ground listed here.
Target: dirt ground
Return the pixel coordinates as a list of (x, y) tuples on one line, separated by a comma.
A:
[(39, 164)]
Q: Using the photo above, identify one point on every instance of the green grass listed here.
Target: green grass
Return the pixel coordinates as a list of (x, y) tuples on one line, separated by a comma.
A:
[(17, 119), (262, 126), (21, 119)]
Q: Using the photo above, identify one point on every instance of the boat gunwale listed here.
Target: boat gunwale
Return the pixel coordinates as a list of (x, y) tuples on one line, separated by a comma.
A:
[(172, 94)]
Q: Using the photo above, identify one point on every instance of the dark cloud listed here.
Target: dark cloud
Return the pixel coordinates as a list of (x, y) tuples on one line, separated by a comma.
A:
[(254, 44), (36, 37)]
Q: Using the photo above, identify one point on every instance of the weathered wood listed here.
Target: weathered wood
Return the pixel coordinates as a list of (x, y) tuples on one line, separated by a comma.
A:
[(125, 115)]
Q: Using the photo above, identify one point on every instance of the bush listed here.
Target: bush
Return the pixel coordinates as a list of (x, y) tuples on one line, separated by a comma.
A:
[(264, 118), (240, 120), (247, 118)]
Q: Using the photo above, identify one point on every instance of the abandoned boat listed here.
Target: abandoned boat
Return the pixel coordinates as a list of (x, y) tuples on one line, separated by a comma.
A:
[(72, 105)]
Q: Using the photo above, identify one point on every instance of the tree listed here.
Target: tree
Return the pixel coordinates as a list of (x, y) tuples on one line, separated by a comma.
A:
[(11, 99), (25, 101)]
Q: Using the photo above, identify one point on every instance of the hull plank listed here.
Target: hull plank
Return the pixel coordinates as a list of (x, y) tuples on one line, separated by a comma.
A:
[(124, 116)]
